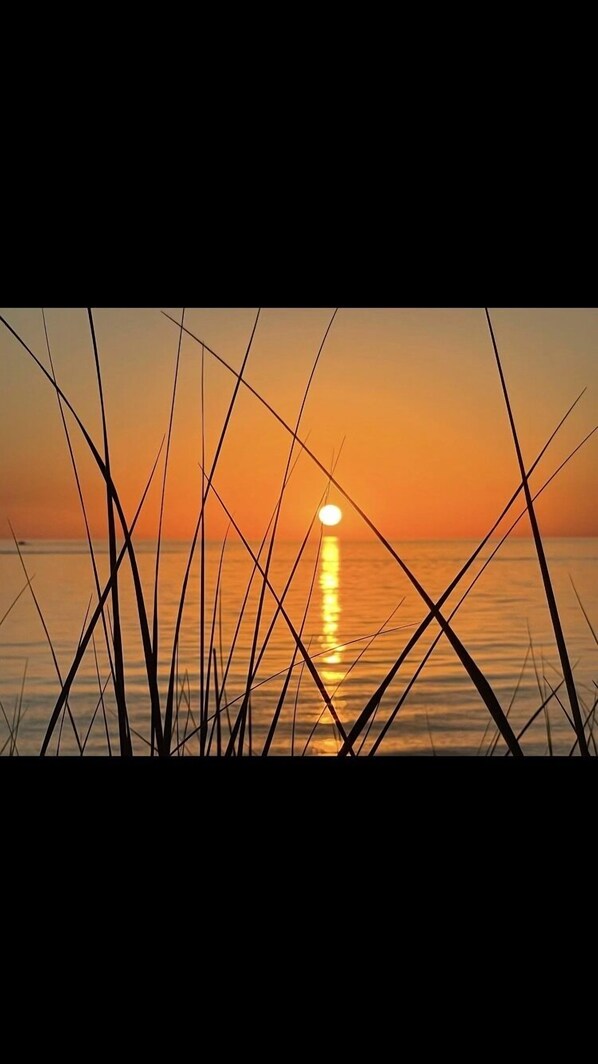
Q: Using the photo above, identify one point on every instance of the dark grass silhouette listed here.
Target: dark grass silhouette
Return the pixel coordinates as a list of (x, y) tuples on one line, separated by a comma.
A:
[(550, 597), (175, 727)]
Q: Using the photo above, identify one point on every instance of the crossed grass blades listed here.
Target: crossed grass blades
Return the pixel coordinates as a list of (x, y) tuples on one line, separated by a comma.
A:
[(224, 726)]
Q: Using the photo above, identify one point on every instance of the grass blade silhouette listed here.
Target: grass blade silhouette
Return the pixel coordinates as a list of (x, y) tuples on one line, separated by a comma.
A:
[(251, 669), (374, 701), (534, 716), (550, 597), (472, 669), (589, 720), (241, 613), (170, 695), (582, 608), (284, 593), (302, 650), (155, 626), (301, 666), (46, 633), (69, 444), (287, 679), (204, 682), (212, 648), (15, 600), (93, 621), (511, 703), (126, 749), (353, 665), (466, 593), (143, 622)]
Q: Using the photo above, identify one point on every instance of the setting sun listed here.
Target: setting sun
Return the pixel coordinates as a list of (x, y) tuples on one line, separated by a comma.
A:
[(330, 515)]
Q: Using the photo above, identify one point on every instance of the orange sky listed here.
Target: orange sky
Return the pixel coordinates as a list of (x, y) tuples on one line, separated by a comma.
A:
[(414, 393)]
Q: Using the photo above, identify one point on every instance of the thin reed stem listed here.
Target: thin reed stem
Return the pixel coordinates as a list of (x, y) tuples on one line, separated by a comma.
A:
[(548, 588)]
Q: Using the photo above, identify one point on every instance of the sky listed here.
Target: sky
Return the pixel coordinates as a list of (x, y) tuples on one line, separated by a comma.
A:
[(412, 395)]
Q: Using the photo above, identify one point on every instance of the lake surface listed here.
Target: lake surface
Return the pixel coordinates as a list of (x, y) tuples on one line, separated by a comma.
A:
[(347, 624)]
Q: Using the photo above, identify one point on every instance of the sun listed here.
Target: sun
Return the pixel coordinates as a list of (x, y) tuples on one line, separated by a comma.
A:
[(330, 515)]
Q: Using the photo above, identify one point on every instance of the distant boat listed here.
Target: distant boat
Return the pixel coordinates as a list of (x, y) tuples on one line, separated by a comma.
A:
[(22, 543)]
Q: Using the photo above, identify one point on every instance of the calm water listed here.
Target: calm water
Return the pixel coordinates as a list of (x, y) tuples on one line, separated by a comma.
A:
[(356, 586)]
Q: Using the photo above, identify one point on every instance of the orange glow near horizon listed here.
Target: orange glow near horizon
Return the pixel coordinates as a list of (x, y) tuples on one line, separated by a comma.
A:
[(413, 397)]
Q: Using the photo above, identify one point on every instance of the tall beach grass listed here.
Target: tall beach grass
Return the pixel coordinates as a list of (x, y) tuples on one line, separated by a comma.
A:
[(207, 721)]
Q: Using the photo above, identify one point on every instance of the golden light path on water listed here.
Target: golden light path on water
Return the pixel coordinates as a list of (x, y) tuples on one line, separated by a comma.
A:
[(332, 672)]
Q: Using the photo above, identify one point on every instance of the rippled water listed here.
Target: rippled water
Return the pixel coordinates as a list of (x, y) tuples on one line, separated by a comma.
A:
[(356, 588)]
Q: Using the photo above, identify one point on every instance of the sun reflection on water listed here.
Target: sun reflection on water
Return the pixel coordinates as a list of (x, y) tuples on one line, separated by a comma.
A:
[(332, 670), (330, 608)]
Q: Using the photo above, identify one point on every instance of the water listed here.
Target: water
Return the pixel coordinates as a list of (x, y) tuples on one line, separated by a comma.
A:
[(356, 586)]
